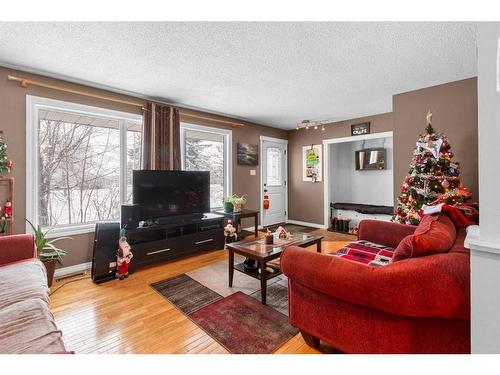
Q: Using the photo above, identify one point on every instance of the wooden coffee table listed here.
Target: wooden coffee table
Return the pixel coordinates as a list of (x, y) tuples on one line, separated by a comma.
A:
[(257, 250)]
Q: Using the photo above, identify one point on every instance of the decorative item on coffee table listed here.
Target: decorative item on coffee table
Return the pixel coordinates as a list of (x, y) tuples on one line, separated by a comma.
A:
[(269, 238)]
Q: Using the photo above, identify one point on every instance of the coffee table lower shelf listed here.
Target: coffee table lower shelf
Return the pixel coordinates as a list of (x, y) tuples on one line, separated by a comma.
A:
[(256, 275)]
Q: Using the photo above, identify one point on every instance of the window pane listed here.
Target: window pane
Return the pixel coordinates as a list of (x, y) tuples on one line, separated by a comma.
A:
[(274, 166), (204, 151), (79, 168), (134, 139)]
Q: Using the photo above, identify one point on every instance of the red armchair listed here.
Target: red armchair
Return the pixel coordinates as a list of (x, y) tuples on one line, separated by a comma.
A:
[(16, 248), (417, 305)]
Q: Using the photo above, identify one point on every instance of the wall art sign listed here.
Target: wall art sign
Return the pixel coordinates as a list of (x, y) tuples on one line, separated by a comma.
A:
[(360, 129), (312, 162)]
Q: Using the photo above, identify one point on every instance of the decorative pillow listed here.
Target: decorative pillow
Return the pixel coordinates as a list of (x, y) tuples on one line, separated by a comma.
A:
[(435, 234), (404, 249)]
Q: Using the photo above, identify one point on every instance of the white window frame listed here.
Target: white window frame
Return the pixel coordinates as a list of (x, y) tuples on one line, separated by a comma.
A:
[(33, 105), (228, 154)]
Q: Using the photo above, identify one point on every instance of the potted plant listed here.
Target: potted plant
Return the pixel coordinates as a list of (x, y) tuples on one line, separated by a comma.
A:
[(47, 252), (228, 205), (238, 202)]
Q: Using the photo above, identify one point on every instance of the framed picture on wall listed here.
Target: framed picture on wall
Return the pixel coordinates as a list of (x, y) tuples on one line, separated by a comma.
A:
[(360, 129), (312, 163), (247, 154)]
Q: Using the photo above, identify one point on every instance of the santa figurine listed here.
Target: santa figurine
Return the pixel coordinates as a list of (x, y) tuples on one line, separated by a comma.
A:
[(230, 232), (7, 209), (123, 258)]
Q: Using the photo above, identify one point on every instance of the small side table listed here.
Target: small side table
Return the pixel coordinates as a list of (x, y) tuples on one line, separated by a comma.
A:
[(236, 217)]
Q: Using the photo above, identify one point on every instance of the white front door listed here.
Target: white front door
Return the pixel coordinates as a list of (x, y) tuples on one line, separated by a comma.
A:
[(274, 176)]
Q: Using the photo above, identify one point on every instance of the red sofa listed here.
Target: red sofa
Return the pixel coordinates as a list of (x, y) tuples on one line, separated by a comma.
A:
[(417, 305), (26, 323)]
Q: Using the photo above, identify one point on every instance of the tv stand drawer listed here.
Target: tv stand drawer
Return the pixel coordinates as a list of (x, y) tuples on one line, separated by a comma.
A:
[(160, 246), (149, 252), (206, 240), (156, 252)]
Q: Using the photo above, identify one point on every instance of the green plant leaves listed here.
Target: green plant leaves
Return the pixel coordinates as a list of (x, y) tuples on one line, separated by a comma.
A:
[(45, 248)]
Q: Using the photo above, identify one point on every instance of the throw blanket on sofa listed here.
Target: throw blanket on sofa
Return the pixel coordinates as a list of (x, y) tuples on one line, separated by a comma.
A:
[(366, 252)]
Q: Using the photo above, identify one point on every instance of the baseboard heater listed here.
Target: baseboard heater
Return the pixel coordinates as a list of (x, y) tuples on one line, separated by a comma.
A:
[(368, 209)]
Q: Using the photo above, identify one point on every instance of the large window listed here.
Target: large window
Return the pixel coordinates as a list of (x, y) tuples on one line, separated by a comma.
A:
[(80, 162), (208, 149)]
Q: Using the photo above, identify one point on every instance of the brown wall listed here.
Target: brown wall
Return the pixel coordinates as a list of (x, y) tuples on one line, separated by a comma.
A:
[(305, 199), (454, 108), (13, 123)]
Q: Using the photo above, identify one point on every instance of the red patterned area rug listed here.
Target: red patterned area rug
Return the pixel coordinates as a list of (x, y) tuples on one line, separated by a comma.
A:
[(243, 325)]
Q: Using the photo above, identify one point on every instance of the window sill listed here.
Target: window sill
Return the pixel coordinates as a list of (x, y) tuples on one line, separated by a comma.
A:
[(69, 230)]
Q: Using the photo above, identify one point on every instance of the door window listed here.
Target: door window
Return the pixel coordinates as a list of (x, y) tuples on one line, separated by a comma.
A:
[(274, 166)]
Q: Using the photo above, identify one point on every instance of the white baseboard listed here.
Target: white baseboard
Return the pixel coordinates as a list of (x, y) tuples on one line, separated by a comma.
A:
[(72, 270), (306, 224)]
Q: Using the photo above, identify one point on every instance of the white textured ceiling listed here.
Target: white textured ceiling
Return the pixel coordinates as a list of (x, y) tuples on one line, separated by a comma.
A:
[(270, 73)]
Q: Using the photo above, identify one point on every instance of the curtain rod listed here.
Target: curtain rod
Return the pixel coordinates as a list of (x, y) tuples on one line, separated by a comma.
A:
[(24, 82)]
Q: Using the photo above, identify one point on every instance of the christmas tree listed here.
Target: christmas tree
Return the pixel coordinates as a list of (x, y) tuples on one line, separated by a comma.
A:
[(433, 177), (5, 162)]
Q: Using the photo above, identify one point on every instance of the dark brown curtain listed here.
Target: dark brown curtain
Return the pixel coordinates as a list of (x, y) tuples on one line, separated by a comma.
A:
[(147, 136), (176, 140), (161, 137)]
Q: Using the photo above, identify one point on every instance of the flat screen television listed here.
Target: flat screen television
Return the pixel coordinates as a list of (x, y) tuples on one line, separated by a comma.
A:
[(170, 193), (370, 159)]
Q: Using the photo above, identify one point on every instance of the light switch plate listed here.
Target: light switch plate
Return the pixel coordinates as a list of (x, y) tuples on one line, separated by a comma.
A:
[(253, 172)]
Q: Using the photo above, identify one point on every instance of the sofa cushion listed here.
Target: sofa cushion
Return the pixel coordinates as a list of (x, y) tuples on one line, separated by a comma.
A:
[(366, 252), (23, 280), (435, 234), (28, 327)]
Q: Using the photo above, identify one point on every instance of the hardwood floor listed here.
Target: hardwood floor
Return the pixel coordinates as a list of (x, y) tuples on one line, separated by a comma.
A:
[(128, 316)]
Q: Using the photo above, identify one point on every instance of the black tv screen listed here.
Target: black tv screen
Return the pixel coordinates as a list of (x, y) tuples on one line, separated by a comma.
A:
[(172, 192), (370, 159)]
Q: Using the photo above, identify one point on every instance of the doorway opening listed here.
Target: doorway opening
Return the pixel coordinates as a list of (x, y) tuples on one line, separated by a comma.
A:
[(358, 172)]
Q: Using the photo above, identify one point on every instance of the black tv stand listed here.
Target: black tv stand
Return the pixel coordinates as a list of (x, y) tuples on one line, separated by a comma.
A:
[(174, 238)]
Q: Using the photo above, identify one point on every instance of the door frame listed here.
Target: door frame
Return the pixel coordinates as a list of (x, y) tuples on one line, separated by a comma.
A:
[(326, 164), (261, 190)]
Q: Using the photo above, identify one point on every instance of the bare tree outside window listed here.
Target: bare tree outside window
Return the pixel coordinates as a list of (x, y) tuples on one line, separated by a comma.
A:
[(204, 151), (79, 167)]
